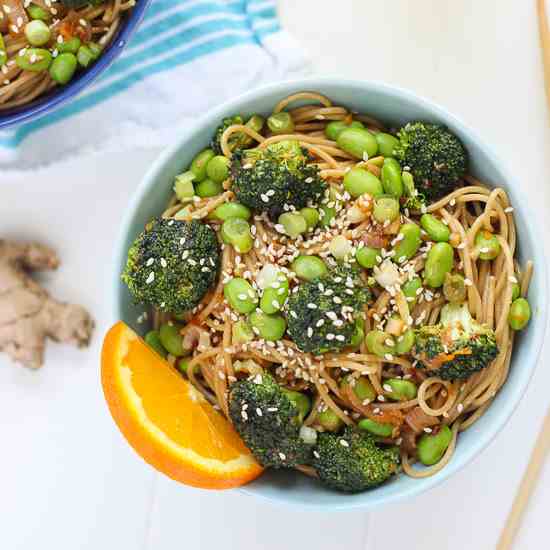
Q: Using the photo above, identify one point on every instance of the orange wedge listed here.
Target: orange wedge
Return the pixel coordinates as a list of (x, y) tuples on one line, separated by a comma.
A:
[(166, 420)]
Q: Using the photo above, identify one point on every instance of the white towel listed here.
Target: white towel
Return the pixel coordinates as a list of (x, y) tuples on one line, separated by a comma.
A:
[(186, 57)]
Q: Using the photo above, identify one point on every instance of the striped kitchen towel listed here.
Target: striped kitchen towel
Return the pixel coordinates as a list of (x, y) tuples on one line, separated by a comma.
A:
[(186, 57)]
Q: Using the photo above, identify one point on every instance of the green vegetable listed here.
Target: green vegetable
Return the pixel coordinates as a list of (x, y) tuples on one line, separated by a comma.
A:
[(353, 461), (275, 295), (269, 327), (208, 188), (358, 142), (431, 447), (391, 178), (367, 256), (275, 178), (438, 263), (340, 247), (63, 68), (380, 343), (237, 140), (37, 12), (401, 390), (241, 332), (273, 436), (414, 200), (435, 156), (386, 209), (361, 386), (515, 291), (376, 428), (409, 289), (232, 210), (404, 343), (172, 340), (406, 248), (301, 401), (69, 46), (182, 365), (280, 123), (240, 295), (487, 245), (520, 313), (457, 346), (199, 164), (328, 213), (315, 322), (95, 49), (358, 181), (311, 215), (236, 231), (309, 268), (85, 56), (454, 288), (329, 421), (386, 143), (435, 228), (172, 264), (3, 52), (37, 32), (183, 186), (293, 223), (152, 339), (334, 128), (34, 59), (217, 168)]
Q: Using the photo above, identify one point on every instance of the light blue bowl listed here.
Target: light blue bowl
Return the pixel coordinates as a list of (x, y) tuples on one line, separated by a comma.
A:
[(394, 106)]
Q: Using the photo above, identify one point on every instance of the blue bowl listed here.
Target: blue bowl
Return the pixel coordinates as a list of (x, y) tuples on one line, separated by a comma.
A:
[(61, 94), (394, 106)]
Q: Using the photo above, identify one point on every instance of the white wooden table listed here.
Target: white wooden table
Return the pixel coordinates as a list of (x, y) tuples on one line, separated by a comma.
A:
[(68, 480)]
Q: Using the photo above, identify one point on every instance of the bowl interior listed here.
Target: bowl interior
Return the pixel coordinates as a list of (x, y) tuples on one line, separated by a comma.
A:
[(393, 106)]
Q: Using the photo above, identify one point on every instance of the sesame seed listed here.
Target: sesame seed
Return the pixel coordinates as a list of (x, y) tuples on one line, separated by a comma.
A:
[(428, 430), (311, 305), (461, 246), (467, 282), (316, 454), (150, 278), (282, 456), (163, 262), (388, 357), (460, 407), (508, 210), (259, 411), (512, 279), (344, 443)]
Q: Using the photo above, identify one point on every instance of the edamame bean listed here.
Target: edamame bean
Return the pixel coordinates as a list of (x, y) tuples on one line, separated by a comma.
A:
[(34, 59), (207, 188), (380, 343), (199, 164), (358, 142), (487, 244), (520, 313), (182, 365), (391, 178), (340, 247), (381, 429), (36, 12), (311, 215), (95, 48), (63, 68), (358, 181), (301, 401), (281, 123), (409, 289), (362, 388), (217, 168), (515, 291), (3, 52), (367, 256), (329, 420), (409, 189), (172, 340), (401, 390), (240, 295), (269, 327), (385, 209), (438, 263), (69, 46), (404, 343), (241, 332), (152, 339), (85, 56), (232, 210), (406, 248), (334, 128), (309, 268), (275, 295), (327, 215), (37, 32), (359, 334), (294, 224), (454, 288), (236, 231), (386, 143), (436, 229), (183, 186), (431, 447)]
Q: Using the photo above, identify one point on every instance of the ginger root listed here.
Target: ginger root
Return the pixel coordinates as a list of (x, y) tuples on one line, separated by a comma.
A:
[(28, 314)]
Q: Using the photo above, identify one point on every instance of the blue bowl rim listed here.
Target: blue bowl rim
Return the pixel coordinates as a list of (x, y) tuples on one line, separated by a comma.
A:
[(58, 96), (396, 93)]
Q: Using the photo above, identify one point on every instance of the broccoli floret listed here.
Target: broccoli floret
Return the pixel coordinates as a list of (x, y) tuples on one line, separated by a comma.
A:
[(457, 346), (353, 461), (322, 313), (435, 156), (268, 422), (172, 264), (233, 140), (276, 178)]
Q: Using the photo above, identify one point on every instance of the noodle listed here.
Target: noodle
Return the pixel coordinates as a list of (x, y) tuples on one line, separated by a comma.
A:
[(467, 210)]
